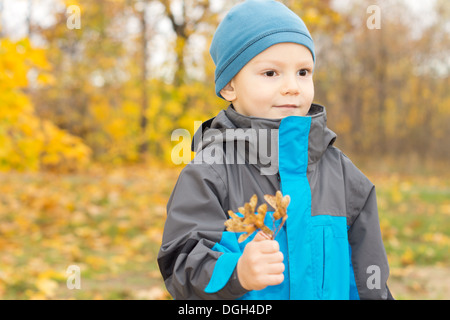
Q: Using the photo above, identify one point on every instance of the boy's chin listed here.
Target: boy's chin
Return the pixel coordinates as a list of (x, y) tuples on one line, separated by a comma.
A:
[(280, 112)]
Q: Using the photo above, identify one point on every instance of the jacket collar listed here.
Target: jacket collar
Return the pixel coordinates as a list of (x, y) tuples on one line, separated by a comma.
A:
[(320, 137)]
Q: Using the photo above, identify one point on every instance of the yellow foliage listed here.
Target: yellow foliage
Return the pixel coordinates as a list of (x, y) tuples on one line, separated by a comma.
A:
[(408, 257), (27, 142), (47, 287)]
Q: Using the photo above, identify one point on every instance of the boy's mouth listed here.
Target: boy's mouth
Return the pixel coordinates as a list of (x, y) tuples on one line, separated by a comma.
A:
[(291, 106)]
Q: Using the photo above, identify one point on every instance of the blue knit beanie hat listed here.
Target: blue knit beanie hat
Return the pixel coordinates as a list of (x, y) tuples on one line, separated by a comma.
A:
[(248, 29)]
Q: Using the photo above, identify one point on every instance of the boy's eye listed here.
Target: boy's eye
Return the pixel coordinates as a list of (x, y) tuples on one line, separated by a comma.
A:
[(303, 72), (269, 73)]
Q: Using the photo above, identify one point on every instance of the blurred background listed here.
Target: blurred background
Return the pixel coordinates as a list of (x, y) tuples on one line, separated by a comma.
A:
[(91, 91)]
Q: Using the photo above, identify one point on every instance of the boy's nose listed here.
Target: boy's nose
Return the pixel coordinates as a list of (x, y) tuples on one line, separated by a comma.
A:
[(290, 86)]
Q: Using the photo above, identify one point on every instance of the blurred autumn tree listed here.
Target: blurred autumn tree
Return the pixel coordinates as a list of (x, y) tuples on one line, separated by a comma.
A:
[(138, 69), (91, 98), (107, 92), (387, 89), (27, 141)]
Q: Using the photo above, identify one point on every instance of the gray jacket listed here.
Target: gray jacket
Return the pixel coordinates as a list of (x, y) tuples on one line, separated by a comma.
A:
[(331, 241)]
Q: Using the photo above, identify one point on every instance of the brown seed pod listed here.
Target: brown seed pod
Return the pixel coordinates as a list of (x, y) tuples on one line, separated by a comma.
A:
[(251, 221)]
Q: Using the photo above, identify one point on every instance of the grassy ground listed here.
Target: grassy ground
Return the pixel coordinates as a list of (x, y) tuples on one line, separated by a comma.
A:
[(415, 223), (109, 224)]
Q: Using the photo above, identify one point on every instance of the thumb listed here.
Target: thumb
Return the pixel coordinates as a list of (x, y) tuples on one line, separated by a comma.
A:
[(261, 236)]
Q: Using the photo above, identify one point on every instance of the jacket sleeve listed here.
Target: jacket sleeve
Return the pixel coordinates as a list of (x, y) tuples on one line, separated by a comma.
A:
[(368, 256), (194, 225)]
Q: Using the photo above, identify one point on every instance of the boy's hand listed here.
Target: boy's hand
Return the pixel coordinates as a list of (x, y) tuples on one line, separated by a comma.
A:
[(261, 264)]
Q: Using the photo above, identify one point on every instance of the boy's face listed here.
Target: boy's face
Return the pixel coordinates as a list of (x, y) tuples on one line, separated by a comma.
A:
[(275, 84)]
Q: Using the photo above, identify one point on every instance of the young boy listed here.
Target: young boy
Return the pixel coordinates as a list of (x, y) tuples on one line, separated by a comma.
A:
[(330, 246)]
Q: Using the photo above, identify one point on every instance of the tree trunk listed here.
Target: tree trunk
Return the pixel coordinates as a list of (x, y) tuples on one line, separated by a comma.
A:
[(143, 146)]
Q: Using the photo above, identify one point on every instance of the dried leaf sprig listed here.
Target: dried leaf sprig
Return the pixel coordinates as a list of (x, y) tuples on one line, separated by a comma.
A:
[(250, 222), (280, 204)]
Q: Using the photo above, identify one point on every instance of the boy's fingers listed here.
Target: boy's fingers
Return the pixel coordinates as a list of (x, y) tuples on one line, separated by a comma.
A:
[(270, 246), (275, 268), (276, 257), (274, 279), (261, 236)]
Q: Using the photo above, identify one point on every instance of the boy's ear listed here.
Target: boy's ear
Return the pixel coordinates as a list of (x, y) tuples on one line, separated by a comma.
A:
[(228, 92)]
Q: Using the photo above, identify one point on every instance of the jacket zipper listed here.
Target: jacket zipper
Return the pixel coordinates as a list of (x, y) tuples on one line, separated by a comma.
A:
[(323, 258), (287, 240)]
